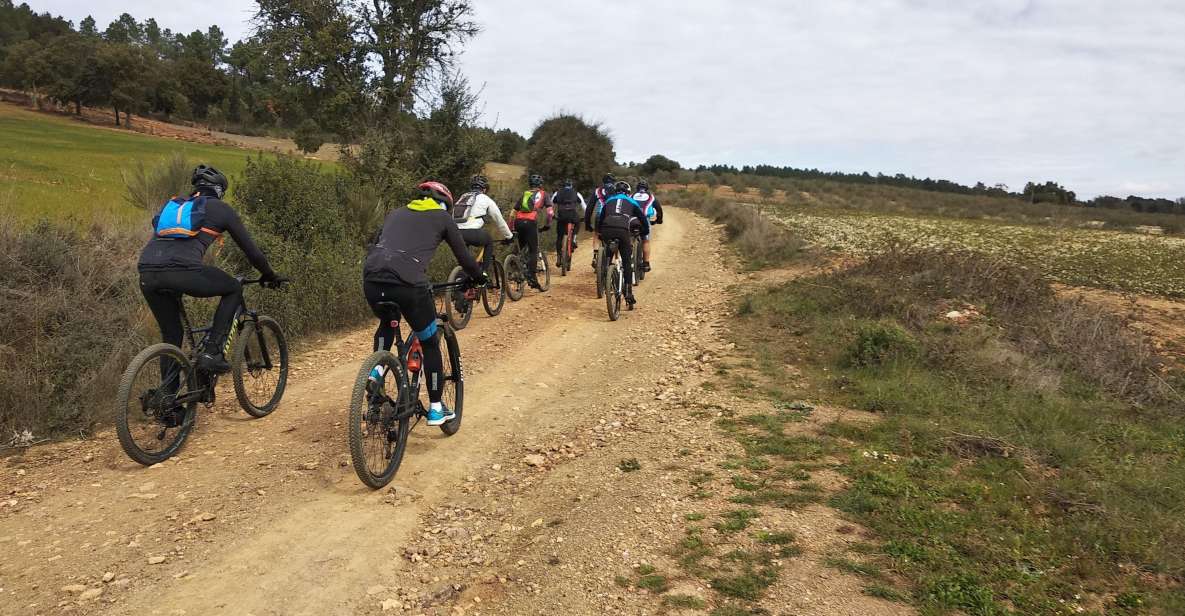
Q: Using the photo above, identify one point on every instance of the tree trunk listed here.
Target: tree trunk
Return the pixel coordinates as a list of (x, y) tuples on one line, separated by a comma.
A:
[(127, 118), (116, 115), (77, 107)]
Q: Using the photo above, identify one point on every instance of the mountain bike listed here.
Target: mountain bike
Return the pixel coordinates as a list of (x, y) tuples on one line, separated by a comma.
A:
[(459, 302), (381, 410), (162, 386), (516, 273), (613, 279), (564, 254), (596, 265), (639, 258)]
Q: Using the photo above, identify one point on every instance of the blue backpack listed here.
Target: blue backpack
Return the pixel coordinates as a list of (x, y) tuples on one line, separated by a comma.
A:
[(181, 218)]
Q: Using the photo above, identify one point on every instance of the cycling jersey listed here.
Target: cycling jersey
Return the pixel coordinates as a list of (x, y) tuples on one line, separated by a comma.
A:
[(163, 253), (481, 210), (622, 212), (599, 195), (568, 200), (407, 241), (535, 200), (650, 206)]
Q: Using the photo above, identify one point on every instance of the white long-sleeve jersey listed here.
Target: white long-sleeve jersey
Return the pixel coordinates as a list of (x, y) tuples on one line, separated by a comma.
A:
[(481, 210)]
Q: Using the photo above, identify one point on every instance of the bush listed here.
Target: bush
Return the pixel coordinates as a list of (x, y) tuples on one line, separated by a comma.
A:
[(879, 343), (70, 319), (567, 146), (308, 136), (148, 187), (760, 241)]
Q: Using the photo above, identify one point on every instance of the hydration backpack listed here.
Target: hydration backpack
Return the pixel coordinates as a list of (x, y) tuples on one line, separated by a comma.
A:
[(461, 207), (528, 202), (181, 218)]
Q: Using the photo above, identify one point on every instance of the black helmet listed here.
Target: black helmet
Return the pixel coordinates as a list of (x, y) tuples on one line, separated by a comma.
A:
[(479, 182), (535, 181), (608, 179), (643, 186), (621, 188), (205, 176), (569, 183)]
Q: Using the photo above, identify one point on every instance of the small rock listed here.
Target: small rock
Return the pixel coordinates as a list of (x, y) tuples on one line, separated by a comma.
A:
[(376, 589), (534, 460), (74, 588), (88, 458), (206, 517), (89, 594), (107, 577), (391, 604), (496, 467), (156, 560)]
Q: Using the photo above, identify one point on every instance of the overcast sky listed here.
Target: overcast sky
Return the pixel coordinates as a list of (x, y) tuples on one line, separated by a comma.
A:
[(1090, 93)]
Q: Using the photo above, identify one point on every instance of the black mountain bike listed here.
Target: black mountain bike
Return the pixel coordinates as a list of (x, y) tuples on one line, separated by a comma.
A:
[(381, 410), (460, 300), (516, 273), (162, 386), (564, 252), (613, 279)]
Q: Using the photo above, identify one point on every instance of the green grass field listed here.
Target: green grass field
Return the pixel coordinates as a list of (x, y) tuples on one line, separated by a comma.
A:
[(56, 167)]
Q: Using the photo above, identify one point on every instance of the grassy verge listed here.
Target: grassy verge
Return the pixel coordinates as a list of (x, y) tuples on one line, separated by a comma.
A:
[(57, 168), (759, 241), (1031, 452)]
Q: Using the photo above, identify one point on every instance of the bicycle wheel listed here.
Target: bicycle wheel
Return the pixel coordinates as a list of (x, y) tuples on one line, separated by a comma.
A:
[(516, 278), (542, 267), (457, 302), (639, 274), (564, 256), (612, 286), (377, 439), (260, 366), (598, 275), (150, 424), (493, 298), (454, 381)]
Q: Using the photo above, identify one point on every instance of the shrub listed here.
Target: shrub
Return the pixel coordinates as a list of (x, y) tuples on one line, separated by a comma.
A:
[(567, 146), (760, 241), (308, 136), (879, 343), (70, 319), (148, 187)]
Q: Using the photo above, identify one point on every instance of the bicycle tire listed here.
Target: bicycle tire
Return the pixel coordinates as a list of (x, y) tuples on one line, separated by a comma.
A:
[(598, 273), (459, 318), (123, 428), (494, 307), (639, 273), (516, 278), (242, 355), (361, 429), (545, 282), (454, 378), (612, 292)]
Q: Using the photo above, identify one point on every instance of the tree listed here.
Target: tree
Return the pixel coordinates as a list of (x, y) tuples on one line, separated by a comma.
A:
[(124, 30), (567, 146), (452, 148), (507, 145), (657, 163), (308, 136), (67, 59), (119, 77), (88, 28)]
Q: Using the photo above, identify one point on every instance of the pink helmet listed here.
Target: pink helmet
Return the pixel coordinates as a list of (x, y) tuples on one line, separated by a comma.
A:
[(437, 191)]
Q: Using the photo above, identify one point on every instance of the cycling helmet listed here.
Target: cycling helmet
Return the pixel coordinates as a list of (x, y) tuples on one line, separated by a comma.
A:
[(205, 176), (437, 191), (621, 188), (535, 181), (608, 180), (568, 184), (643, 186), (479, 182)]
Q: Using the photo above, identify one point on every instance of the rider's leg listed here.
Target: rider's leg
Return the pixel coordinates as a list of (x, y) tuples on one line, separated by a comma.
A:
[(646, 254), (209, 281), (481, 237), (420, 312), (529, 235), (165, 307), (384, 335), (561, 231)]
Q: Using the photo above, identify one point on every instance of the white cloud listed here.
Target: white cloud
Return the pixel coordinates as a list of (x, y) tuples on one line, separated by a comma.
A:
[(1085, 92)]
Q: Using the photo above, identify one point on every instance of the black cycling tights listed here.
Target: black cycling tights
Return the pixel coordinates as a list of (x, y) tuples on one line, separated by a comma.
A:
[(416, 305), (481, 237), (162, 290), (528, 239)]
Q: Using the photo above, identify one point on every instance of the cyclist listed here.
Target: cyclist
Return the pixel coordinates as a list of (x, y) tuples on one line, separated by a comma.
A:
[(653, 210), (171, 264), (526, 224), (617, 220), (472, 211), (597, 199), (396, 270), (569, 208)]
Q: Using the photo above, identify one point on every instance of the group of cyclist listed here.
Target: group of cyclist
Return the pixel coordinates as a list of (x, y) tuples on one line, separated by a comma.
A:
[(395, 272)]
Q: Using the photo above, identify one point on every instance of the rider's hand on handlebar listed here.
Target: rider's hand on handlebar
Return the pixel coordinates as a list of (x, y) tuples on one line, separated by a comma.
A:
[(507, 241), (273, 280)]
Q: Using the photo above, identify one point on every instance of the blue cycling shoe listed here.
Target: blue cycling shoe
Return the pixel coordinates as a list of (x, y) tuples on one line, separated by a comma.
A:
[(440, 416)]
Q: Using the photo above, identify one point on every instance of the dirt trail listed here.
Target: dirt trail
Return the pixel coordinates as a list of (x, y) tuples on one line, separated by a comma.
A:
[(524, 511)]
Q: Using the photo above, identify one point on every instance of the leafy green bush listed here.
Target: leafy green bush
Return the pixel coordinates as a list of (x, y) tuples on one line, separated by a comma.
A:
[(878, 343), (308, 136), (568, 146)]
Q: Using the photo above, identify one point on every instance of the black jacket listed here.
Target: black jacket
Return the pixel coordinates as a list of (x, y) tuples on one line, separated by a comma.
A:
[(182, 254), (409, 237)]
